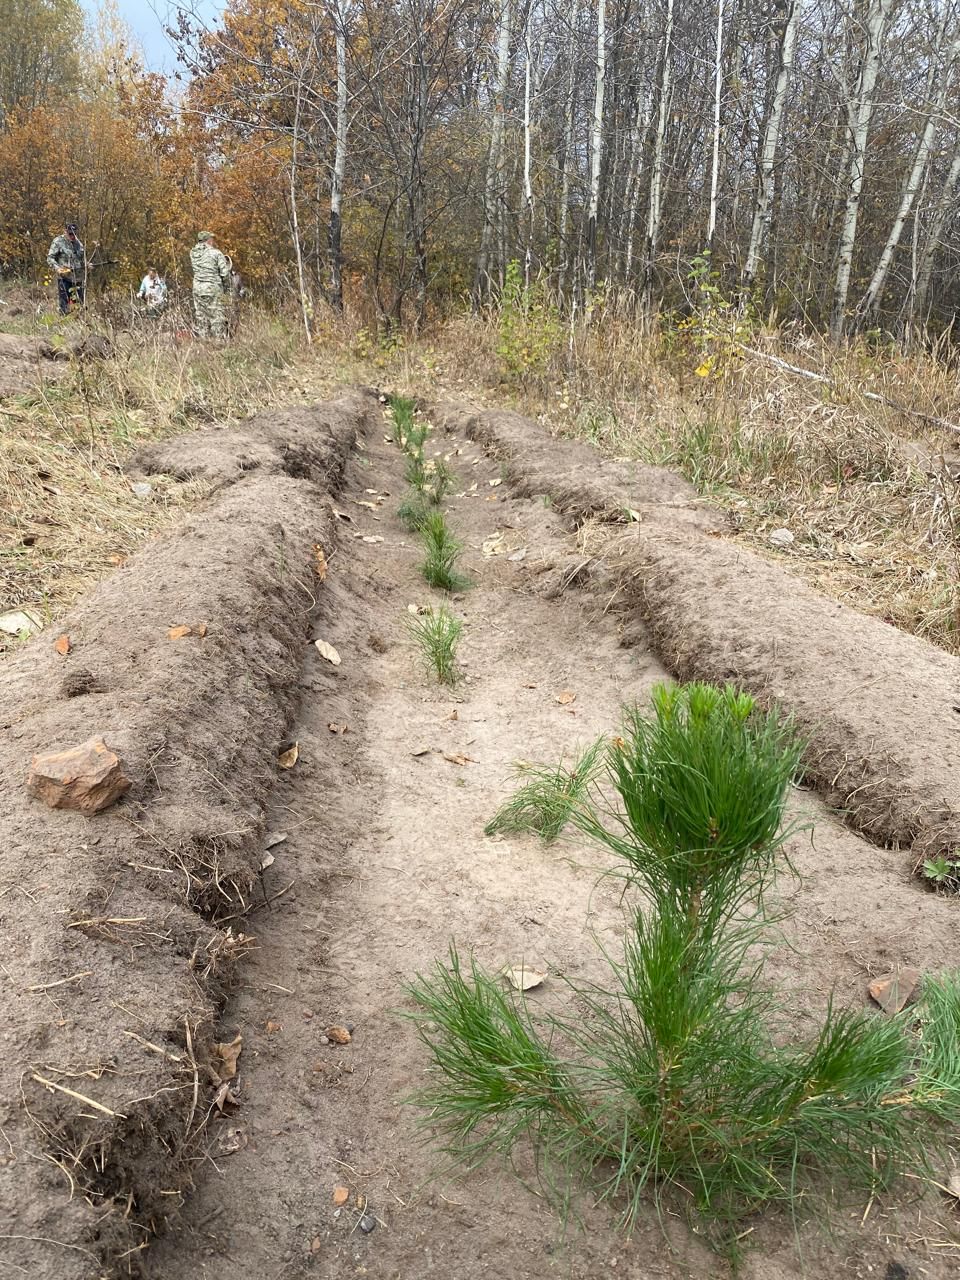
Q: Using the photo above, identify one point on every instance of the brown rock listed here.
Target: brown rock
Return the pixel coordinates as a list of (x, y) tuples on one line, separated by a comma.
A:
[(88, 778), (893, 991)]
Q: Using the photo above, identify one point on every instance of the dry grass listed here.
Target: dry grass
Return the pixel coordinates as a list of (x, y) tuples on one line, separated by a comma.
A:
[(69, 512), (869, 493)]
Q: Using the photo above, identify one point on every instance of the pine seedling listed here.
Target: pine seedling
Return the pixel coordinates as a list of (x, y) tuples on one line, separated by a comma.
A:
[(413, 512), (416, 474), (442, 550), (437, 635), (442, 479), (546, 803), (673, 1081)]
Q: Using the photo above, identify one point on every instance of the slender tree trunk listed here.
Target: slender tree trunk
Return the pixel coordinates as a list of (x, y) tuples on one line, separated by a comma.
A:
[(771, 143), (938, 222), (859, 112), (492, 191), (656, 164), (339, 162), (715, 159), (596, 144), (569, 120), (294, 219), (527, 180), (914, 181)]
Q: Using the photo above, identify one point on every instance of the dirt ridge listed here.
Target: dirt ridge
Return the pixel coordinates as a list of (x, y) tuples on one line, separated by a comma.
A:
[(880, 708), (120, 931)]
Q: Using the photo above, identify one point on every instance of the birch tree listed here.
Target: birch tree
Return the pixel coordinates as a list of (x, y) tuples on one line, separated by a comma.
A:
[(787, 48), (656, 164), (859, 112), (596, 144), (493, 186)]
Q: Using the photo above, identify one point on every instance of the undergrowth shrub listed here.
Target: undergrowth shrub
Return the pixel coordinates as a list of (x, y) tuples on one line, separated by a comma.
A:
[(676, 1079), (442, 550), (437, 634), (529, 325)]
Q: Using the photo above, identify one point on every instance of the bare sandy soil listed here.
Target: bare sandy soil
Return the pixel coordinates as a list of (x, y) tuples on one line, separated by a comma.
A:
[(387, 862), (382, 862)]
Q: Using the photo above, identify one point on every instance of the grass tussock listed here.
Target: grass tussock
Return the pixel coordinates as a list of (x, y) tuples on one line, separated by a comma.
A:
[(675, 1082), (437, 635)]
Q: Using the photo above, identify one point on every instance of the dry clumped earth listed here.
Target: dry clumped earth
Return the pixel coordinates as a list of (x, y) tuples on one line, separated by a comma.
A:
[(228, 903)]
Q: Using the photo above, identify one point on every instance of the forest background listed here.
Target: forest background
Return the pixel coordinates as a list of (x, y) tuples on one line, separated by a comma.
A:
[(800, 158)]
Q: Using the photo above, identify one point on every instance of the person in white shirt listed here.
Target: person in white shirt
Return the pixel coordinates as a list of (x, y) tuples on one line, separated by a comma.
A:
[(153, 291)]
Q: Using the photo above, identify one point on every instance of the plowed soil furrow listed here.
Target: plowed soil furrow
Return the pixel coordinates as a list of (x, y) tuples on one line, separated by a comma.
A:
[(385, 861)]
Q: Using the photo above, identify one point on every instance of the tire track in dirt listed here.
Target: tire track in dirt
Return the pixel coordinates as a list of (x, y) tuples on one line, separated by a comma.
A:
[(386, 852)]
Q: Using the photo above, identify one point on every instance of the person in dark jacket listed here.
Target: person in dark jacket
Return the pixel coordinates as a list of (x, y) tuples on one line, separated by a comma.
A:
[(66, 258)]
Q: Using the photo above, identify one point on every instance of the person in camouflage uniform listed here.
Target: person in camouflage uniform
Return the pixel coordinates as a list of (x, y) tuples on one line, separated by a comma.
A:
[(211, 284), (67, 260)]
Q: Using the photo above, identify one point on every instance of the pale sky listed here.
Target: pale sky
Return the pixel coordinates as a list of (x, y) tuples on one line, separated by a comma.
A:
[(147, 18)]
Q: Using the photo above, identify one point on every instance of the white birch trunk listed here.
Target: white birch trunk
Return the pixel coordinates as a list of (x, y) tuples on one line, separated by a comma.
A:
[(914, 181), (859, 112), (294, 219), (596, 144), (492, 191), (339, 161), (527, 180), (934, 238), (568, 134), (715, 159), (771, 143), (656, 164)]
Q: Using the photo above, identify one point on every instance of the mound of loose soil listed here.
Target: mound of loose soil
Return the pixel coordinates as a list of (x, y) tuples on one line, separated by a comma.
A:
[(24, 362), (119, 931), (881, 709)]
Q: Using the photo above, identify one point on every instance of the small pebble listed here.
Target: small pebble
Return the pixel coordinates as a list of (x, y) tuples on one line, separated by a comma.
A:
[(367, 1223)]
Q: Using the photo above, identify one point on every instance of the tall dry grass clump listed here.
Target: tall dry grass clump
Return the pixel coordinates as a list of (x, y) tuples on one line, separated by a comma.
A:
[(69, 512)]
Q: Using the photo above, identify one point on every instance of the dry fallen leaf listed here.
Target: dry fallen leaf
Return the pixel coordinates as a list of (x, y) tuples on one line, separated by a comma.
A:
[(565, 697), (493, 546), (634, 516), (523, 978), (225, 1097), (272, 1027), (320, 566), (277, 837), (62, 645), (457, 757), (375, 537), (231, 1140), (357, 502), (339, 1035), (343, 515), (421, 751), (493, 483), (454, 714), (287, 759), (177, 633), (340, 1196), (953, 1184), (201, 630), (267, 861), (518, 555), (337, 728), (327, 651), (228, 1055)]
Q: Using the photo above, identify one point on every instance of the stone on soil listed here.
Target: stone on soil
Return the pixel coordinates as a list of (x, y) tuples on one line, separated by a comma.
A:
[(87, 778)]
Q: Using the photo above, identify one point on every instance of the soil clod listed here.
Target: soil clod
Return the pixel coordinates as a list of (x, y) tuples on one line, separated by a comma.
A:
[(88, 778)]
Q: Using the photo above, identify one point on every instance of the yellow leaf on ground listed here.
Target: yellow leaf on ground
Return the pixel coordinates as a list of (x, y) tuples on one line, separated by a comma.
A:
[(62, 645), (565, 697), (177, 633), (320, 568), (287, 759)]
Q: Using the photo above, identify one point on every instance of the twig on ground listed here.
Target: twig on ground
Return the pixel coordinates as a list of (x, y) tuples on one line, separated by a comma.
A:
[(74, 977), (78, 1097)]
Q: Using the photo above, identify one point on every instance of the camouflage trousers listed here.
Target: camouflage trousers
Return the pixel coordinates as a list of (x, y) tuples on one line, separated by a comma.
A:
[(211, 315)]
